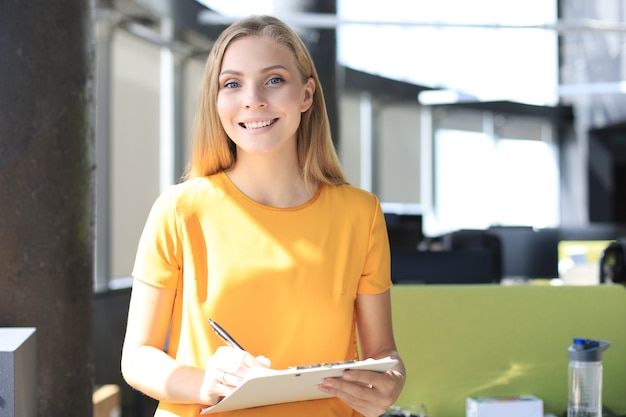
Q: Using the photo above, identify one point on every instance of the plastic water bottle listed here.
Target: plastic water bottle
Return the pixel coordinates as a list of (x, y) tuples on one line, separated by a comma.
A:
[(585, 378)]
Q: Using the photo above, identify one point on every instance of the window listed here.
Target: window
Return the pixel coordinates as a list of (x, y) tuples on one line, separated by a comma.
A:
[(482, 181), (486, 48)]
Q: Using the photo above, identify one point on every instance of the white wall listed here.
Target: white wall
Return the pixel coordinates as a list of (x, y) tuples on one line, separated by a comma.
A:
[(134, 173)]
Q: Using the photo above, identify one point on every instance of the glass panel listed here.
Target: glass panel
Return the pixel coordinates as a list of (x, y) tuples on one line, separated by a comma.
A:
[(480, 182), (464, 177), (475, 47), (135, 145), (527, 184)]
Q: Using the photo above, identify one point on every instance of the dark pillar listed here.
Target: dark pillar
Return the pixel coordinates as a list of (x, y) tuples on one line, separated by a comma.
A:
[(46, 213), (322, 44)]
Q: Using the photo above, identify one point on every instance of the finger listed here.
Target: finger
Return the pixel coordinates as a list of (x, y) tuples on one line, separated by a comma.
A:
[(358, 396), (233, 359), (354, 389), (362, 389), (366, 378), (230, 380), (212, 390), (225, 381), (263, 361)]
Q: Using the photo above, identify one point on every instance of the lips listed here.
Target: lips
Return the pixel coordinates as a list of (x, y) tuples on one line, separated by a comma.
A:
[(258, 124)]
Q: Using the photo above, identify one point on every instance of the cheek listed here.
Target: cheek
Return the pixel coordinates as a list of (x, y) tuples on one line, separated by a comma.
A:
[(294, 98), (224, 109)]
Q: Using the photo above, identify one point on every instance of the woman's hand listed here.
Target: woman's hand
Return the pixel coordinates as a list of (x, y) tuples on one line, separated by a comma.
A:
[(225, 370), (370, 393)]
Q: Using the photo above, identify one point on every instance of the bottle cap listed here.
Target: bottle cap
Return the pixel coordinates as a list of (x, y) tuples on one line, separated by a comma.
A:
[(587, 350)]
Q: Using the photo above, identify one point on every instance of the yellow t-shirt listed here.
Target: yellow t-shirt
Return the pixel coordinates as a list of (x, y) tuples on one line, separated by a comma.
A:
[(281, 281)]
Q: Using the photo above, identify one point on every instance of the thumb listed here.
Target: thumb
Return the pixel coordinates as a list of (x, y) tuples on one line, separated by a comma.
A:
[(264, 361)]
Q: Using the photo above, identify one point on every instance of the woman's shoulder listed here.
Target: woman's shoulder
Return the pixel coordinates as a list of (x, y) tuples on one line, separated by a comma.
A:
[(351, 195), (189, 192)]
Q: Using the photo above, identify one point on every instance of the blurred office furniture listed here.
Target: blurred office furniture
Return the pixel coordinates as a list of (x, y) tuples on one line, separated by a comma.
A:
[(460, 257), (533, 252), (405, 230), (594, 231), (18, 371), (410, 266), (606, 173), (484, 256), (110, 312), (495, 340), (528, 252), (107, 401), (613, 262), (477, 240)]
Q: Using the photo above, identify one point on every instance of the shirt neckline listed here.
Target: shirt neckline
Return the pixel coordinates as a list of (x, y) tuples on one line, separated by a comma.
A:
[(231, 185)]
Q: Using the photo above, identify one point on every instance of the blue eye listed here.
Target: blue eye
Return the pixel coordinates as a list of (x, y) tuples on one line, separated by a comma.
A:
[(276, 80), (231, 84)]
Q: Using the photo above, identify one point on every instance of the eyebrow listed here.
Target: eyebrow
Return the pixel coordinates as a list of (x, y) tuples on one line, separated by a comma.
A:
[(264, 70)]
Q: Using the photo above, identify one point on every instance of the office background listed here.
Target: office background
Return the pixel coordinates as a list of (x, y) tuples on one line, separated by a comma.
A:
[(472, 162), (486, 158), (141, 67)]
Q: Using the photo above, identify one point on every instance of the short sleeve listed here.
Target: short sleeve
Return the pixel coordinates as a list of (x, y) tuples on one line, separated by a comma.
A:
[(159, 253), (376, 276)]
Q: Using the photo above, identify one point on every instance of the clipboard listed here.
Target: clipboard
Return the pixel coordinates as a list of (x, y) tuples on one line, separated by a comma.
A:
[(265, 386)]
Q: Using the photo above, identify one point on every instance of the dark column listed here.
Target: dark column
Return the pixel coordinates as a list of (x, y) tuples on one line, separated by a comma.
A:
[(46, 213), (322, 44)]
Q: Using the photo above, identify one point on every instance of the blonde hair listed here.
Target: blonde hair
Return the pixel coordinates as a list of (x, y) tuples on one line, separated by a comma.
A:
[(213, 151)]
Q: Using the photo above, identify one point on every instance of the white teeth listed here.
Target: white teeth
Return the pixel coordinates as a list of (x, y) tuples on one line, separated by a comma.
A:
[(256, 125)]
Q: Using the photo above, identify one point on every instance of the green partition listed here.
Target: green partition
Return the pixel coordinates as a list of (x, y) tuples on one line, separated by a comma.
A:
[(491, 340)]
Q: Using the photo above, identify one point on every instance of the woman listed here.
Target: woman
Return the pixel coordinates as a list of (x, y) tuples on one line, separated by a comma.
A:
[(265, 237)]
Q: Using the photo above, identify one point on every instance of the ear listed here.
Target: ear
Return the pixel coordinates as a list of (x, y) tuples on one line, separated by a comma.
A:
[(307, 100)]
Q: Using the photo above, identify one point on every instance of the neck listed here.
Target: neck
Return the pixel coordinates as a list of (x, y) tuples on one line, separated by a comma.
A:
[(272, 184)]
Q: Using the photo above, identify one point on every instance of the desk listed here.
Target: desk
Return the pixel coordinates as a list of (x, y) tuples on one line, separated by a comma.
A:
[(462, 341)]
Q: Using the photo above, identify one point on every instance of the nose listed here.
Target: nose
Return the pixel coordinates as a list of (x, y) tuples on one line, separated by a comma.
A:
[(255, 97)]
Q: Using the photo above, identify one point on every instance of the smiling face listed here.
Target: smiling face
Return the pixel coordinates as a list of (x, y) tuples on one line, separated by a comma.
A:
[(261, 95)]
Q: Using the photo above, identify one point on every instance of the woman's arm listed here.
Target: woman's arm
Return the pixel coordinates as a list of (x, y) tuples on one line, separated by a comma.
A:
[(375, 329), (371, 393), (146, 367)]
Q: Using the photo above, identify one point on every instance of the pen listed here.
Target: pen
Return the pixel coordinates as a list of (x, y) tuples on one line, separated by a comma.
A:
[(224, 335)]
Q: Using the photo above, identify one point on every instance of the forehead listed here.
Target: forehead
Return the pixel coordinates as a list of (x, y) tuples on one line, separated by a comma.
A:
[(257, 51)]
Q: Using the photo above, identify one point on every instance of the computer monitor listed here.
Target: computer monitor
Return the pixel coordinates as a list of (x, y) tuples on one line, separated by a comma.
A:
[(606, 174), (528, 253), (405, 230), (410, 266)]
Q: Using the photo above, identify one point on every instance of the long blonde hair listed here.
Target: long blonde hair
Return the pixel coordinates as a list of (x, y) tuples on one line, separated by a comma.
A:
[(213, 151)]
